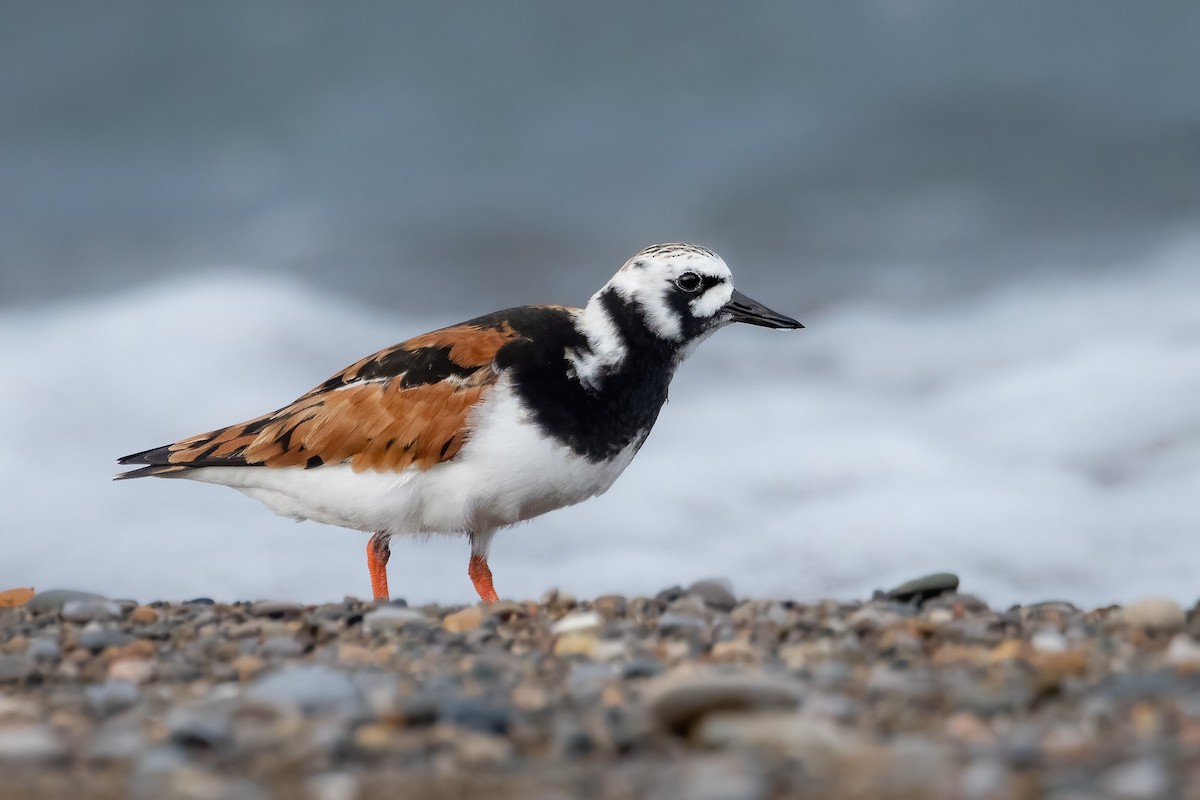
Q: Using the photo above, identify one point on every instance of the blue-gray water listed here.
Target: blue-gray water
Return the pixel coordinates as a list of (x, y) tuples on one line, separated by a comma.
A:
[(422, 156)]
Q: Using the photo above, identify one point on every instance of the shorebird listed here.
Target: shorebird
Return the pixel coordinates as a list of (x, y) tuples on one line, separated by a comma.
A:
[(481, 425)]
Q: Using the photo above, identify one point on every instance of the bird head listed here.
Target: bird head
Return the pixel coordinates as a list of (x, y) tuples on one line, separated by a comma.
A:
[(684, 292)]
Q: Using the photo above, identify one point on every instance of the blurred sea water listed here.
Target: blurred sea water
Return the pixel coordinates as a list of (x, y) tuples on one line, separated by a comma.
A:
[(986, 215)]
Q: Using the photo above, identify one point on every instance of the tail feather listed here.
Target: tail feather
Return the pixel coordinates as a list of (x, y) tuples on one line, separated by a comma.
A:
[(155, 455), (154, 470)]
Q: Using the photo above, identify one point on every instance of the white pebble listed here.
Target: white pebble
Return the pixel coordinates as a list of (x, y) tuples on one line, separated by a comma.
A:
[(577, 623)]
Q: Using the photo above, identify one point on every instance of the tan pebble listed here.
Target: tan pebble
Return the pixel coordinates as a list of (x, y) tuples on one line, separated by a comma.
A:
[(737, 651), (1068, 743), (481, 749), (462, 621), (1157, 614), (1009, 649), (134, 670), (1148, 722), (16, 644), (143, 615), (64, 721), (575, 644), (961, 654), (373, 736), (966, 727), (796, 656), (902, 640), (247, 667), (529, 698), (13, 598), (140, 648), (674, 652), (613, 696), (359, 655), (1051, 669)]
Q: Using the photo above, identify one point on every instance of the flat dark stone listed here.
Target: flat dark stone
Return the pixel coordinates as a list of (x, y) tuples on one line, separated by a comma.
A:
[(924, 588)]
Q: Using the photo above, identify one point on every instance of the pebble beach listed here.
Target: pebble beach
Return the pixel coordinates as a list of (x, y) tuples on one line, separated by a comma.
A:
[(923, 691)]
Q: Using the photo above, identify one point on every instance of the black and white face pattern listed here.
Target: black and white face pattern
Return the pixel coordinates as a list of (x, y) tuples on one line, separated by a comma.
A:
[(665, 300), (681, 291)]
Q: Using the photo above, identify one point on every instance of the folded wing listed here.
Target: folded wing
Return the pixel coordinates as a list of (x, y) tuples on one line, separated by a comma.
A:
[(405, 406)]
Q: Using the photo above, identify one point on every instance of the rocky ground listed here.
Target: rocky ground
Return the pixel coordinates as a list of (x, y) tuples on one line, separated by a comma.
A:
[(918, 693)]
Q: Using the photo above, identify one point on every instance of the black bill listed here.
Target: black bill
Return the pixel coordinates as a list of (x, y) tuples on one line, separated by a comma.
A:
[(743, 309)]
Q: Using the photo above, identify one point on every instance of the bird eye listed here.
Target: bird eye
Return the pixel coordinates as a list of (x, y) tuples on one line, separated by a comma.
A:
[(689, 282)]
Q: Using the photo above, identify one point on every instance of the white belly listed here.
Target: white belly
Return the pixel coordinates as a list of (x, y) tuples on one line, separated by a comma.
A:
[(508, 471)]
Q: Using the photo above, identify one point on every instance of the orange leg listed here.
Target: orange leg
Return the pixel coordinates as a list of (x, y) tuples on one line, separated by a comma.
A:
[(378, 553), (481, 576)]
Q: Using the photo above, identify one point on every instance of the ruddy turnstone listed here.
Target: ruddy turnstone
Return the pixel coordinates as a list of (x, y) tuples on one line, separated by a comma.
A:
[(483, 424)]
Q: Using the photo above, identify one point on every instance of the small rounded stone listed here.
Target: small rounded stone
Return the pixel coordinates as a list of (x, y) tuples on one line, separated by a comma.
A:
[(468, 619), (391, 618), (717, 594), (1156, 614)]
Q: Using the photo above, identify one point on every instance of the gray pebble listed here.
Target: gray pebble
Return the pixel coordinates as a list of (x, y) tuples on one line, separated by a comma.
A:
[(476, 714), (586, 680), (111, 696), (671, 622), (724, 778), (642, 668), (44, 649), (281, 647), (53, 600), (117, 739), (689, 605), (987, 779), (716, 594), (208, 726), (91, 610), (100, 638), (309, 688), (23, 744), (670, 594), (391, 618), (1144, 779), (15, 667), (332, 786)]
